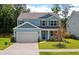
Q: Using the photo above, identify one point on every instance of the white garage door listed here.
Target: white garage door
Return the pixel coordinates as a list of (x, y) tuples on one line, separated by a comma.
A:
[(26, 36)]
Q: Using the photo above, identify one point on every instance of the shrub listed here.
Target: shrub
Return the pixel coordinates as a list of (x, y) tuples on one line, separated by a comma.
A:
[(73, 36), (39, 40), (5, 43), (59, 45), (51, 39), (66, 41), (67, 35), (13, 39), (77, 38)]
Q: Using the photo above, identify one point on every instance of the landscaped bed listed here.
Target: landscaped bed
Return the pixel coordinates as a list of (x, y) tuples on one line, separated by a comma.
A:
[(4, 43), (59, 53), (73, 44)]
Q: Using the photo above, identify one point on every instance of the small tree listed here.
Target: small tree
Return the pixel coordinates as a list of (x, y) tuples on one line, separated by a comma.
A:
[(56, 8)]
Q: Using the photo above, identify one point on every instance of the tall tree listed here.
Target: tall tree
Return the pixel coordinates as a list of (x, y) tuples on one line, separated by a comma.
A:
[(65, 11), (56, 8), (18, 9), (8, 17)]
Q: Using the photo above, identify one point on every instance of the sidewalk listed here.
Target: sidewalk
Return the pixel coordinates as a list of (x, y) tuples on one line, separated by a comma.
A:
[(59, 50)]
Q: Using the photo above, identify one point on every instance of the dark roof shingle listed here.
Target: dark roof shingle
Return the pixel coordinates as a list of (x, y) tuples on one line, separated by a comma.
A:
[(35, 15)]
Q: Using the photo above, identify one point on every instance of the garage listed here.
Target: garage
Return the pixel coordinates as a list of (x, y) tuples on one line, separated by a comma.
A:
[(26, 32), (26, 37)]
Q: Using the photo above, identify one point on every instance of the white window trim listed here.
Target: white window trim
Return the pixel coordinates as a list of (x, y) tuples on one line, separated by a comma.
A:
[(42, 22), (53, 23)]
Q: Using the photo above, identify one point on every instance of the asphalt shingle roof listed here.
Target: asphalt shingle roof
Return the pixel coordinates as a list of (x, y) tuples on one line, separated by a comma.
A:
[(35, 15)]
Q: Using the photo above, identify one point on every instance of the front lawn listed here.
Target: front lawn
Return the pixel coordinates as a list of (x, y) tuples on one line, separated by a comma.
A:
[(59, 53), (73, 44), (4, 43)]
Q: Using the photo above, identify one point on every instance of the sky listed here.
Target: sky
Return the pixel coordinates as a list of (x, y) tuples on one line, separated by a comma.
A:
[(47, 7), (40, 7)]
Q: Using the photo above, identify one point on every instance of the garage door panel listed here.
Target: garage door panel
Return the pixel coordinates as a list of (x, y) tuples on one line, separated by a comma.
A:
[(26, 36)]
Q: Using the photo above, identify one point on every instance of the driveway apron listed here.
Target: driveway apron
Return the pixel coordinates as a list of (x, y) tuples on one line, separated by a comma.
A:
[(21, 49)]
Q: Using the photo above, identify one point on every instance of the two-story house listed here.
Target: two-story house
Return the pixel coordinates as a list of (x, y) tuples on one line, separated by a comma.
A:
[(72, 24), (34, 26)]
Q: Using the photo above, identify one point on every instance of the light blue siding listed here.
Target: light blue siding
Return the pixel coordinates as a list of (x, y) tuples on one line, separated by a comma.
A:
[(27, 26), (33, 21), (37, 21), (27, 30)]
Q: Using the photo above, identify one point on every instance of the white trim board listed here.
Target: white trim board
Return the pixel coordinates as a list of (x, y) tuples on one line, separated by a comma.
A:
[(50, 29)]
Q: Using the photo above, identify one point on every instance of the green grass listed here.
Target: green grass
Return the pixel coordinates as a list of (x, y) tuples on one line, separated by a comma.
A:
[(2, 43), (74, 44), (59, 53)]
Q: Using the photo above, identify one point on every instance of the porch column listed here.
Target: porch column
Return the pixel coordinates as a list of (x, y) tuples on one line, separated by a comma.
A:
[(40, 35), (14, 33), (48, 34)]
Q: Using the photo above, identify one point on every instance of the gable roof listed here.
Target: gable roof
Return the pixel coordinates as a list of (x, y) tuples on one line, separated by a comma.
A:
[(32, 25), (36, 15)]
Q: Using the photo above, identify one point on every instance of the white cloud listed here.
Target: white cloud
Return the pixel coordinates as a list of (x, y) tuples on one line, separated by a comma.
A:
[(47, 9), (39, 9), (75, 8)]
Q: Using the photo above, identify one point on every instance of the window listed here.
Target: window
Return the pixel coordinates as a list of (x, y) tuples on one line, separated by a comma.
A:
[(43, 34), (51, 33), (53, 23), (44, 23), (21, 22)]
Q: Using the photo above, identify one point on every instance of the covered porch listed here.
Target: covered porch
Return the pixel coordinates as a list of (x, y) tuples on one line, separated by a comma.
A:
[(47, 34)]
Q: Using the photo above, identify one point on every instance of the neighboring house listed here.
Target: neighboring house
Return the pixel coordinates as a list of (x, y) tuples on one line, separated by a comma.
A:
[(34, 26), (73, 23)]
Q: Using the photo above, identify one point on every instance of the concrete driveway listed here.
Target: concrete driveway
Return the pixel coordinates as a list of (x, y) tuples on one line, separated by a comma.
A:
[(21, 49)]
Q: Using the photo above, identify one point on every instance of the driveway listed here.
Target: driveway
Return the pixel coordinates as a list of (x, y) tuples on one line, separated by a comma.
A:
[(21, 49)]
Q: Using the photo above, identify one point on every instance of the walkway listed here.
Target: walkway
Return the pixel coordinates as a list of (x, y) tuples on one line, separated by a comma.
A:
[(59, 50)]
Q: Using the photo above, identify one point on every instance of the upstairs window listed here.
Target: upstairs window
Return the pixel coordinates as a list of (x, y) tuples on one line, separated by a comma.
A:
[(53, 23), (43, 23), (21, 22)]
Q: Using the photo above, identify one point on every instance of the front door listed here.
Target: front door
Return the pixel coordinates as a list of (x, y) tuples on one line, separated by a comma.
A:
[(44, 35)]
